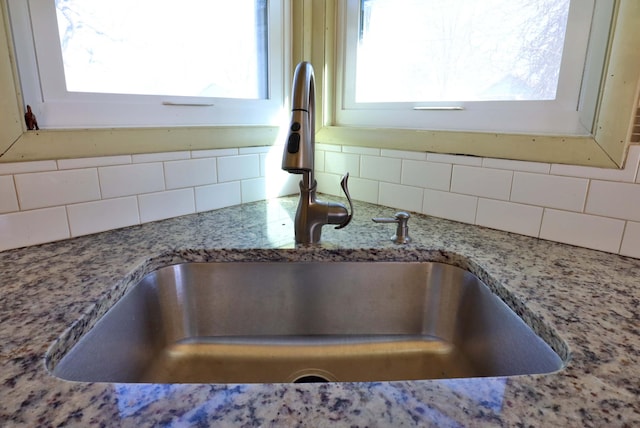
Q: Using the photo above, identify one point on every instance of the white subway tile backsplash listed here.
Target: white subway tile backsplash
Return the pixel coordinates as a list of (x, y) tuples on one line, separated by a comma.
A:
[(162, 205), (34, 227), (583, 230), (255, 190), (26, 167), (271, 163), (341, 163), (627, 174), (402, 197), (257, 149), (127, 180), (98, 216), (631, 240), (328, 183), (521, 197), (403, 154), (450, 205), (319, 160), (483, 182), (277, 181), (382, 169), (233, 168), (218, 196), (364, 190), (213, 153), (361, 150), (160, 157), (454, 159), (429, 175), (291, 185), (552, 191), (189, 173), (93, 162), (510, 217), (8, 198), (514, 165), (281, 184), (614, 199), (49, 189), (328, 147)]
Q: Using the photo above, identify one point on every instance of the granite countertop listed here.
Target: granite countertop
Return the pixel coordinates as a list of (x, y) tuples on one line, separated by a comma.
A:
[(585, 303)]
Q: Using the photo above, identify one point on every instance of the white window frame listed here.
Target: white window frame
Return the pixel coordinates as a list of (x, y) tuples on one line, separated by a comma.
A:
[(43, 84), (571, 113), (311, 27)]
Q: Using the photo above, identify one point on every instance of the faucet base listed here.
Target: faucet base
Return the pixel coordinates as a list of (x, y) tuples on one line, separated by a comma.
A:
[(312, 214)]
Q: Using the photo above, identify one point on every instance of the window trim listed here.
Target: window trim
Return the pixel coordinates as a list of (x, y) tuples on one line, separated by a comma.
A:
[(313, 24)]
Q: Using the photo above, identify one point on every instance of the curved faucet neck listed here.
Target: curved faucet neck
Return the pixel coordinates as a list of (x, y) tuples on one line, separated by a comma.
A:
[(299, 156), (304, 98), (304, 88)]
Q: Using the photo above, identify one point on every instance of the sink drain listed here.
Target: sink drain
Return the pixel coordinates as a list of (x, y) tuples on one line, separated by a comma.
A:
[(312, 376), (311, 379)]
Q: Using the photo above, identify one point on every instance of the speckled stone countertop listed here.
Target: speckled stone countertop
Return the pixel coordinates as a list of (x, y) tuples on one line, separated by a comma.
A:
[(585, 303)]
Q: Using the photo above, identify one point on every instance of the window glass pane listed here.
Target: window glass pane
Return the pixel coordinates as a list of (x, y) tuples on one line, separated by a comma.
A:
[(208, 48), (459, 50)]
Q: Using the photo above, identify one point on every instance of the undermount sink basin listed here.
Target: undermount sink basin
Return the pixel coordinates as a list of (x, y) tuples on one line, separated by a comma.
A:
[(271, 322)]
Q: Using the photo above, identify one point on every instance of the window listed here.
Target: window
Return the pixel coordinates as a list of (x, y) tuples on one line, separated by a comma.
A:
[(310, 32), (499, 65), (118, 63)]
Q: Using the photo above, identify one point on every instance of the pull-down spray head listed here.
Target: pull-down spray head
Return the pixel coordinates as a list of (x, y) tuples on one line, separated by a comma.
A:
[(298, 155)]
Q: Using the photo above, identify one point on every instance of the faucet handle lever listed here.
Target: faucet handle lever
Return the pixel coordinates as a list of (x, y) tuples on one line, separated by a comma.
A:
[(345, 189)]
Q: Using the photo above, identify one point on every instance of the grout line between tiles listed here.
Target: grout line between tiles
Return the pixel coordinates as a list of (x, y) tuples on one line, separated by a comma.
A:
[(586, 197)]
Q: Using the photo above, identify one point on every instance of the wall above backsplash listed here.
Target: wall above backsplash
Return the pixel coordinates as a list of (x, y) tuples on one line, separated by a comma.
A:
[(46, 201)]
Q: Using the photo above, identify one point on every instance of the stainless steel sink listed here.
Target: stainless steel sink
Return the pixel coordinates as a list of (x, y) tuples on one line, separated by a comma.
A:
[(266, 322)]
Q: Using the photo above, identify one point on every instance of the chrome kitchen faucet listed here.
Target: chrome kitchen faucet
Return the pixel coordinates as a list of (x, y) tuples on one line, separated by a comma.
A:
[(298, 158)]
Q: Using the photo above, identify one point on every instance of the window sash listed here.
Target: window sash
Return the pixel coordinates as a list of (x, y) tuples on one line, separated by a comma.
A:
[(570, 113), (44, 88)]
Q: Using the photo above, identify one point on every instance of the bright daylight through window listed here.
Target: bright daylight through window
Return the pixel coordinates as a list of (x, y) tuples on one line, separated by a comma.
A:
[(460, 50), (490, 65), (203, 48)]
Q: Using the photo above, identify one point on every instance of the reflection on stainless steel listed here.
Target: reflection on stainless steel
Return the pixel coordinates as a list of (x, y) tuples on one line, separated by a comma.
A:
[(247, 322), (298, 158)]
